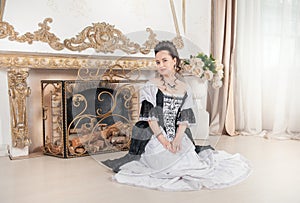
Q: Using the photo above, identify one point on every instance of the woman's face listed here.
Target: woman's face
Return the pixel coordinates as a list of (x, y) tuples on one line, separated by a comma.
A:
[(165, 63)]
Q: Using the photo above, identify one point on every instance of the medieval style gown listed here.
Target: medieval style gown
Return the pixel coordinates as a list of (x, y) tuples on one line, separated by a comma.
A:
[(158, 168)]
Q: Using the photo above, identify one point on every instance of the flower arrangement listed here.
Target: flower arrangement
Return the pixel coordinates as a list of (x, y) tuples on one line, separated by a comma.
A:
[(205, 67)]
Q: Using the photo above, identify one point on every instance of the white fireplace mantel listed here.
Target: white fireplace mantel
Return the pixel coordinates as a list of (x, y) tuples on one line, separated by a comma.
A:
[(37, 46)]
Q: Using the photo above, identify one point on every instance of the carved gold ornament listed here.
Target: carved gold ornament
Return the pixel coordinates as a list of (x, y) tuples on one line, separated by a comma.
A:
[(101, 37), (18, 93), (42, 35), (67, 61)]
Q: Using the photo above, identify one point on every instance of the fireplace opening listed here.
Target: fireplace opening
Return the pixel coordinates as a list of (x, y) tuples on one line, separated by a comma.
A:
[(88, 117)]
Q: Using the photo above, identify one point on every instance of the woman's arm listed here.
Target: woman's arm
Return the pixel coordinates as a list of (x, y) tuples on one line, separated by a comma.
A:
[(158, 133), (176, 143)]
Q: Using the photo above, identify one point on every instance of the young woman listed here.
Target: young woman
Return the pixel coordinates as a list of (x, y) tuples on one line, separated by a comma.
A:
[(169, 161)]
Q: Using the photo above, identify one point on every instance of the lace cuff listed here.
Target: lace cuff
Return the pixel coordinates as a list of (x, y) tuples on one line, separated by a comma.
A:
[(148, 119), (186, 116), (185, 123)]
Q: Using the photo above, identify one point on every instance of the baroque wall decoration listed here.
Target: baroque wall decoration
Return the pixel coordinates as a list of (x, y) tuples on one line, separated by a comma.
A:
[(101, 37)]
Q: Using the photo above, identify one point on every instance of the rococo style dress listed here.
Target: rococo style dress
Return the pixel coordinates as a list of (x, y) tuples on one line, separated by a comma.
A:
[(152, 166)]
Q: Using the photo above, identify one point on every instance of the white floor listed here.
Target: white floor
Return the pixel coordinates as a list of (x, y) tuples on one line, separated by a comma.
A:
[(275, 178)]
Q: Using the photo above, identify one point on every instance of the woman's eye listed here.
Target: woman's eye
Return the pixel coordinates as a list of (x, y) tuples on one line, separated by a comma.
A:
[(157, 62)]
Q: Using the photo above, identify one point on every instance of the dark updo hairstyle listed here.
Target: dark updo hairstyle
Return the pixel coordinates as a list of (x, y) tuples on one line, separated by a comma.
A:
[(170, 47)]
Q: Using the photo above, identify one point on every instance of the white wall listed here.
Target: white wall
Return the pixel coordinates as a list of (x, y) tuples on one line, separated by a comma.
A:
[(132, 17), (71, 16)]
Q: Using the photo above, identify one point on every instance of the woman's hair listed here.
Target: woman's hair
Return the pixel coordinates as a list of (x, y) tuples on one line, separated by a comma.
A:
[(170, 47)]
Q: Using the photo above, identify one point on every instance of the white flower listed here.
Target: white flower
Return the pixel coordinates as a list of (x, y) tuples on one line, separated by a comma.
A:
[(196, 62), (198, 71), (219, 66), (217, 84), (208, 75), (220, 73), (217, 81)]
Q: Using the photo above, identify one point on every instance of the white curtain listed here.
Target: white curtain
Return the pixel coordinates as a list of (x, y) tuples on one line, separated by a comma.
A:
[(268, 68)]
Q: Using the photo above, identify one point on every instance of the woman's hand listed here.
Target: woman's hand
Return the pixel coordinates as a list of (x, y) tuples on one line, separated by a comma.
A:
[(159, 135), (165, 143), (176, 144)]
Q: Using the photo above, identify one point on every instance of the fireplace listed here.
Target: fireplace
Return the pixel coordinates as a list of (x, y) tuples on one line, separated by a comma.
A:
[(88, 117)]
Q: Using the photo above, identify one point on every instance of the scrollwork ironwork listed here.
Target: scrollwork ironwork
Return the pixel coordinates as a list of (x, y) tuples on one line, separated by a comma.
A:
[(52, 104), (72, 108)]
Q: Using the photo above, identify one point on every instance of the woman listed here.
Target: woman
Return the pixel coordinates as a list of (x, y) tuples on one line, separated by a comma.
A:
[(168, 161)]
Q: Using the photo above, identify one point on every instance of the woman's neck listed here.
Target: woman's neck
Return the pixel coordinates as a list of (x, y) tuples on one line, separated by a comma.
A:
[(169, 82), (171, 79)]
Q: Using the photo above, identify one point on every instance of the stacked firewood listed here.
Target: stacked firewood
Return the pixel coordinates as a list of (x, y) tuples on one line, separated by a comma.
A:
[(113, 137)]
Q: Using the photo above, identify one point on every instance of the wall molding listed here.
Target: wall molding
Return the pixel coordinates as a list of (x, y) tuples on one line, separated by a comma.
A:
[(102, 37), (33, 60)]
